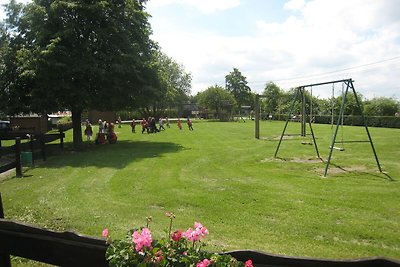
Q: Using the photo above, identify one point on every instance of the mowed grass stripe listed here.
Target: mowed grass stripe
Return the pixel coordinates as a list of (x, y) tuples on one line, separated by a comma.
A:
[(220, 175)]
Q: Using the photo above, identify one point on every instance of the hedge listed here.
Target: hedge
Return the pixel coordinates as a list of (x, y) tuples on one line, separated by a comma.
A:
[(354, 120)]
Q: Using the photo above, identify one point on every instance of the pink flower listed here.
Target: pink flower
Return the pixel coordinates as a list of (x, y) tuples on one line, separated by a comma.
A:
[(159, 257), (200, 229), (105, 232), (190, 235), (199, 232), (142, 239), (177, 235), (203, 263), (248, 263)]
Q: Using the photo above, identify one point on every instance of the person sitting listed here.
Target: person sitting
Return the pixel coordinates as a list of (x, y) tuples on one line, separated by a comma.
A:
[(111, 136), (100, 139)]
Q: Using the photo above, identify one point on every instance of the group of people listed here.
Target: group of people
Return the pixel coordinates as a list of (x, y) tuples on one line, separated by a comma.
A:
[(149, 125), (106, 132)]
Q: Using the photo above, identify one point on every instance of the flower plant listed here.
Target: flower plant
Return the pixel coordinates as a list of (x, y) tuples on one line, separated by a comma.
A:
[(178, 248)]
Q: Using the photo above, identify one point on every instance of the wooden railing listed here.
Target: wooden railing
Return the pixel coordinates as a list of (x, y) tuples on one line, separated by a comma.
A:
[(36, 143), (57, 248), (75, 250)]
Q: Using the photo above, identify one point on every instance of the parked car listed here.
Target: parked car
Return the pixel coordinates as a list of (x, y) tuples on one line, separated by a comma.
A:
[(5, 126)]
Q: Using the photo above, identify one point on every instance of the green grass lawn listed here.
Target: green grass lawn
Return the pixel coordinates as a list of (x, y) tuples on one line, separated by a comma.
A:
[(223, 177)]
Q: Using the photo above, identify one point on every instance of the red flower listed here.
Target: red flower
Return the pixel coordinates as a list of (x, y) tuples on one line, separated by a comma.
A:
[(176, 236), (248, 263)]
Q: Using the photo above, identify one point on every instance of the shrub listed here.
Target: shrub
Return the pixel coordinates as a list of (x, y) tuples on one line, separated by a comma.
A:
[(177, 249)]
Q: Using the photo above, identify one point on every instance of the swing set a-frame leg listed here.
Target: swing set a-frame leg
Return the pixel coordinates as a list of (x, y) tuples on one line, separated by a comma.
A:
[(366, 129), (350, 85), (287, 121), (328, 161), (315, 143)]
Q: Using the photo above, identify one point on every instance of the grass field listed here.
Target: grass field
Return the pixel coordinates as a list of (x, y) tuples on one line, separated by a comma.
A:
[(220, 175)]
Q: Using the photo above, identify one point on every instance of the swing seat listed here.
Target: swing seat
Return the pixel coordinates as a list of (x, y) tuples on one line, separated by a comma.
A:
[(306, 143), (337, 148)]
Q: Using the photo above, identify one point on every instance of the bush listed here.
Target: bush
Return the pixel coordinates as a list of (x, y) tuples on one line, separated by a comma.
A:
[(177, 249), (356, 120), (64, 120), (352, 120), (64, 124)]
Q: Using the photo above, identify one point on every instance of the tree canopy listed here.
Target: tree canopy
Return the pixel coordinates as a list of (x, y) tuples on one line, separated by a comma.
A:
[(279, 102), (236, 84), (174, 85), (217, 99), (76, 55), (381, 106), (272, 94)]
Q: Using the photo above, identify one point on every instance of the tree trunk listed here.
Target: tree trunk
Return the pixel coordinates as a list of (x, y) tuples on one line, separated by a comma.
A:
[(77, 129)]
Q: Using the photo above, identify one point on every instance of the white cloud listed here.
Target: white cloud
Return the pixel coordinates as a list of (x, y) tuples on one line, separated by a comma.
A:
[(205, 6), (294, 4), (319, 37), (336, 35)]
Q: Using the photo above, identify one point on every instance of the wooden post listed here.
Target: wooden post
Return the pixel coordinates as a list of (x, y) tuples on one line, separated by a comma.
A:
[(43, 146), (1, 208), (18, 167), (62, 139), (4, 258), (31, 145), (257, 117)]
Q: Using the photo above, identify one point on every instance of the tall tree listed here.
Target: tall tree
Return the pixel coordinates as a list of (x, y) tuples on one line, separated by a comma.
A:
[(236, 84), (381, 106), (174, 84), (217, 99), (350, 107), (273, 93), (14, 81), (83, 54)]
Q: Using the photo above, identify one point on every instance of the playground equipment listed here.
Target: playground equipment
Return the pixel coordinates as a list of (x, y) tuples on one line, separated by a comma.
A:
[(306, 117), (257, 115), (341, 148)]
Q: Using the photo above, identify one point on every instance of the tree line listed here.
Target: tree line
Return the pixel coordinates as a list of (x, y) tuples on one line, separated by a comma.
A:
[(82, 55), (236, 94)]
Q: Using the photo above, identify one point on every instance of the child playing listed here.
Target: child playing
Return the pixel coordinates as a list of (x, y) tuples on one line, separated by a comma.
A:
[(179, 124), (133, 125), (190, 124), (88, 131), (161, 122), (144, 125)]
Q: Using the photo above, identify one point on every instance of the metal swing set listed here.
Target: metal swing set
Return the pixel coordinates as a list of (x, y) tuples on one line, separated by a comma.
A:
[(307, 117)]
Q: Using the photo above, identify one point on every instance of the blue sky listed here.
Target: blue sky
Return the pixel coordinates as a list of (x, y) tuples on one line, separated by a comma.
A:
[(292, 43)]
